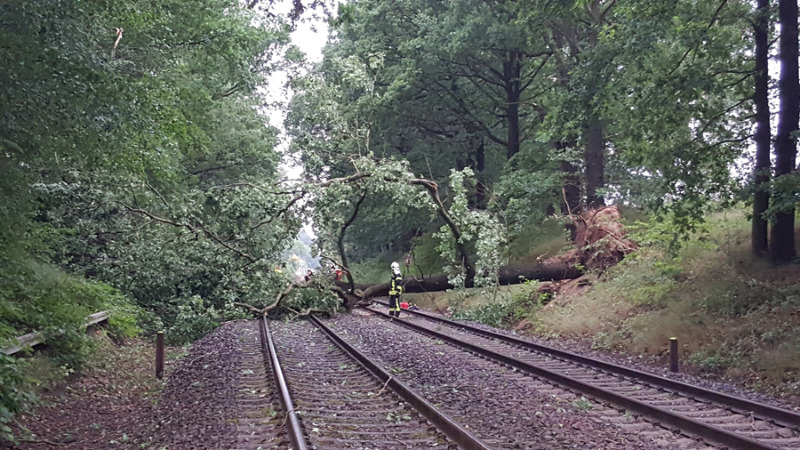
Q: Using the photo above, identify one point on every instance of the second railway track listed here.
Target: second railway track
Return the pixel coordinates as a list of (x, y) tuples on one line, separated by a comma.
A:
[(717, 418)]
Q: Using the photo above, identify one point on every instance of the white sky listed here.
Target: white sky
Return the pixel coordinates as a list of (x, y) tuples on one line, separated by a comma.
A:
[(310, 37)]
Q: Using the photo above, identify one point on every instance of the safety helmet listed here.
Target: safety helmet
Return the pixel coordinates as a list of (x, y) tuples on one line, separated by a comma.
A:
[(396, 267)]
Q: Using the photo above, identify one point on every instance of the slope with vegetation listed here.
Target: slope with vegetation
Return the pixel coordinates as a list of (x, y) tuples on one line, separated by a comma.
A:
[(137, 173), (736, 317)]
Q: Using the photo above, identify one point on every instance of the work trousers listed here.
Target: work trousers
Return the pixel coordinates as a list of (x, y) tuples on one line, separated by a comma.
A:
[(394, 305)]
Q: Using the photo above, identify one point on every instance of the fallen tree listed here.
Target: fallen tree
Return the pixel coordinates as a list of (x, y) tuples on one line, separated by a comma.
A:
[(600, 242), (506, 275)]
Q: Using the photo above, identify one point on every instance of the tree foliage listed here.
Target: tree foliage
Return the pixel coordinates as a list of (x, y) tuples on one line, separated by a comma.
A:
[(643, 102), (138, 174)]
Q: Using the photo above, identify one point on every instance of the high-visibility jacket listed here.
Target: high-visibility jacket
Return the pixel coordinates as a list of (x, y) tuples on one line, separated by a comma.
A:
[(396, 287)]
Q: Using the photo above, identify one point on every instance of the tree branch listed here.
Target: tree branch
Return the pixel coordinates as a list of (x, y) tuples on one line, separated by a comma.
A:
[(340, 240), (116, 42), (199, 229), (433, 192), (710, 24), (463, 108)]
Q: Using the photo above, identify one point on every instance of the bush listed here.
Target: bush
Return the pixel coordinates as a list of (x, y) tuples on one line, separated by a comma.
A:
[(193, 321), (35, 296), (123, 321), (320, 299), (121, 327), (149, 322), (14, 397), (497, 313), (710, 361), (492, 313), (69, 348)]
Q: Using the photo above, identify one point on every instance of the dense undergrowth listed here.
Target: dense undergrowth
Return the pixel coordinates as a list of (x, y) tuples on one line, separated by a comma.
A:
[(39, 297), (734, 314)]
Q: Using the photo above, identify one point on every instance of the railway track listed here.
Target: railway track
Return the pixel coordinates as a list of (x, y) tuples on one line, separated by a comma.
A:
[(333, 397), (259, 425), (715, 417), (505, 408)]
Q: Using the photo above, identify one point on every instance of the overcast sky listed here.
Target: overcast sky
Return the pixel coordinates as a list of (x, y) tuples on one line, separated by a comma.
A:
[(310, 36)]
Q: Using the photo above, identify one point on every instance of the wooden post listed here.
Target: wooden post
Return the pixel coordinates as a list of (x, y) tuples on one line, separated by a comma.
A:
[(673, 354), (160, 355)]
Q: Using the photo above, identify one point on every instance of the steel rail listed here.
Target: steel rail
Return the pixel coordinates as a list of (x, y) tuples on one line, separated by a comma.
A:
[(460, 435), (293, 427), (778, 415), (679, 421)]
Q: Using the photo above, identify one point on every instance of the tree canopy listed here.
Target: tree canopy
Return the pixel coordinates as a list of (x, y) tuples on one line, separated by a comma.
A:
[(139, 173), (555, 107)]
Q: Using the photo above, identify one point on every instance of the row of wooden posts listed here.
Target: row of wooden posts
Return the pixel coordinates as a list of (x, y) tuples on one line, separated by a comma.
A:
[(33, 339), (673, 354)]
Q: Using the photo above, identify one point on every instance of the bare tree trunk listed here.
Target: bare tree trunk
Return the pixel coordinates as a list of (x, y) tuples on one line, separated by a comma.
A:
[(594, 159), (761, 175), (506, 275), (480, 166), (782, 242), (340, 242), (593, 154), (433, 192), (512, 70), (571, 190), (461, 249)]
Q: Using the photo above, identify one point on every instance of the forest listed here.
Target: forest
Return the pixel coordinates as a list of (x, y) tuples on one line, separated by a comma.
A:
[(140, 174)]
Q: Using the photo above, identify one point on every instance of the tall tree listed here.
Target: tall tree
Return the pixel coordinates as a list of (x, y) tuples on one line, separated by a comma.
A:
[(462, 73), (583, 69), (761, 170), (143, 154), (782, 241), (342, 171), (135, 168), (680, 101), (654, 90)]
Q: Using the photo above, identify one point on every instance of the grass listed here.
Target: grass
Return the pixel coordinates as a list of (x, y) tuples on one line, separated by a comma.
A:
[(734, 315), (463, 299)]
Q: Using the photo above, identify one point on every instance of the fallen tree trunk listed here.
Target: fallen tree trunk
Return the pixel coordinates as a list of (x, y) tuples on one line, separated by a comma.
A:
[(600, 242), (506, 275)]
